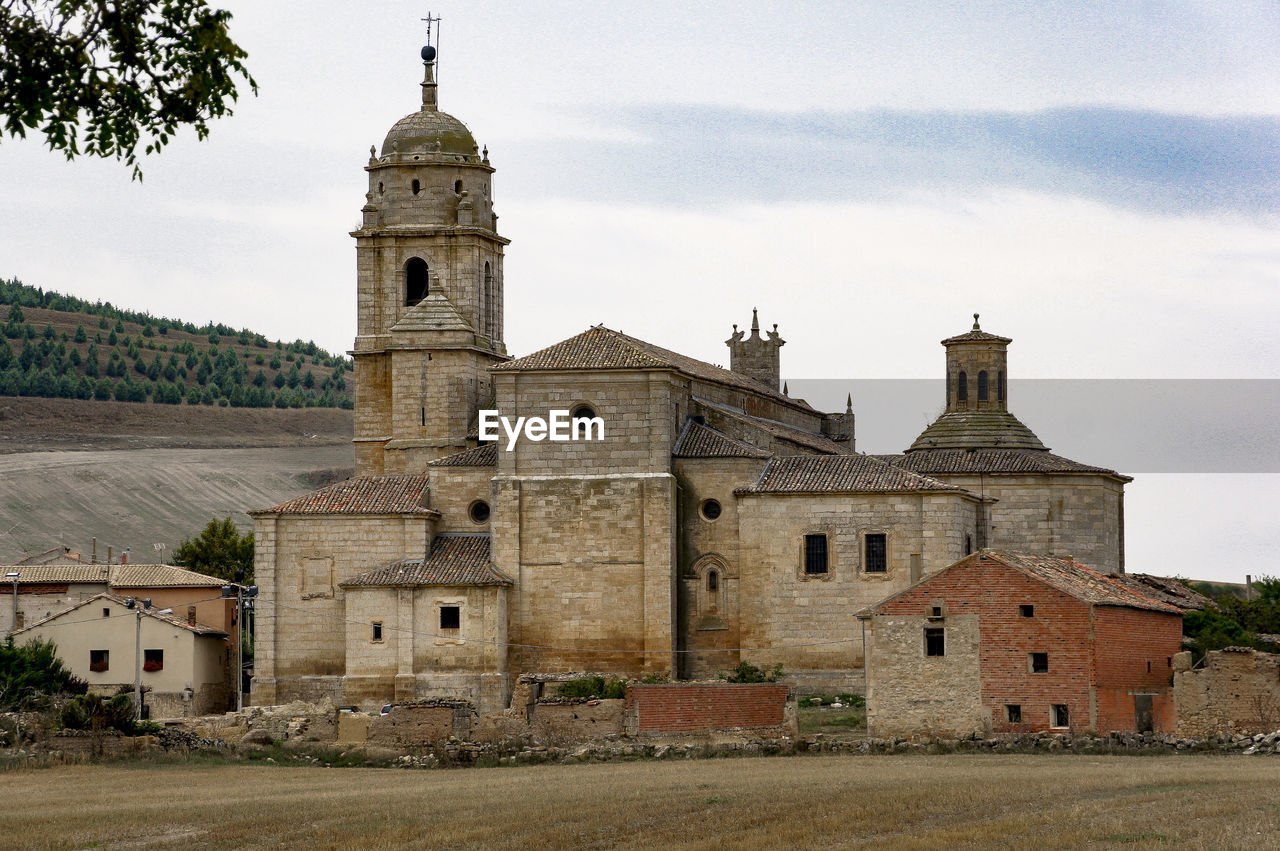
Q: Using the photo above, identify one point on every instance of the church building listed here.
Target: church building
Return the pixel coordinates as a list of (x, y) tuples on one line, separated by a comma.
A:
[(715, 520)]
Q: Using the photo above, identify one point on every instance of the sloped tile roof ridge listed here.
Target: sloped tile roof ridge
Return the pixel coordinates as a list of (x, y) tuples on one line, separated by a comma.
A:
[(976, 336), (841, 474), (402, 494), (992, 460), (171, 619), (1079, 580), (484, 455), (160, 575), (433, 313), (456, 559), (36, 574), (779, 430), (1166, 590), (698, 440)]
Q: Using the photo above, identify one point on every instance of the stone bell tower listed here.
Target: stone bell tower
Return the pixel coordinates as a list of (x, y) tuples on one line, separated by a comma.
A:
[(429, 290), (755, 356)]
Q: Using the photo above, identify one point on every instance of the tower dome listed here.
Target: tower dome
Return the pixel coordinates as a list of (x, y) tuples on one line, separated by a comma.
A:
[(429, 131)]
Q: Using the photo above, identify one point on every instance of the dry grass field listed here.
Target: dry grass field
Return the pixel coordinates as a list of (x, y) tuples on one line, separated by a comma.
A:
[(979, 800)]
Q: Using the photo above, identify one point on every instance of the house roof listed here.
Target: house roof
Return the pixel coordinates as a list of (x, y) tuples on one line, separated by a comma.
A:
[(702, 441), (780, 431), (603, 348), (1166, 590), (485, 455), (841, 474), (967, 429), (169, 619), (43, 574), (53, 555), (976, 335), (1064, 574), (361, 495), (990, 460), (160, 576), (454, 560)]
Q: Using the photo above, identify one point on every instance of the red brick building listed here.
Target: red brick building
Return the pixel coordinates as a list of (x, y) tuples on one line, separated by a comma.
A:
[(1004, 642)]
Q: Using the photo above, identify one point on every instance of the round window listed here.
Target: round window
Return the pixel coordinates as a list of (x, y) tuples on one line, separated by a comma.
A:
[(479, 511), (710, 509), (585, 412)]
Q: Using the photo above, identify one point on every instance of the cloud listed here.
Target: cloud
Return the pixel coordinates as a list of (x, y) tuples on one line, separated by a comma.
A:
[(1134, 159)]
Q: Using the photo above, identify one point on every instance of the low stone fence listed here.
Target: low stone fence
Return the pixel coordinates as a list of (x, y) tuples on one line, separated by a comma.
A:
[(1236, 691), (422, 723)]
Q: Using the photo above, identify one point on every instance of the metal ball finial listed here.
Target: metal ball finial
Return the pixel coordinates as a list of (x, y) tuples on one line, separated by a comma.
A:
[(428, 53)]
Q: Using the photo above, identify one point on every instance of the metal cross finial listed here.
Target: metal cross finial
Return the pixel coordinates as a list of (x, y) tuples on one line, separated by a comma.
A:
[(430, 20)]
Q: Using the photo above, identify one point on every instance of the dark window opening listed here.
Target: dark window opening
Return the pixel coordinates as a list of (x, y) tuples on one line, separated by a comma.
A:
[(450, 617), (583, 412), (815, 554), (877, 555), (983, 387), (713, 581), (99, 661), (490, 309), (999, 386), (962, 387), (1148, 666), (1039, 663), (1060, 716), (106, 613), (415, 281), (1168, 660), (935, 611), (1027, 611), (968, 544), (1013, 713), (152, 661), (711, 509), (935, 642), (416, 187), (377, 630), (479, 512), (457, 187), (379, 187)]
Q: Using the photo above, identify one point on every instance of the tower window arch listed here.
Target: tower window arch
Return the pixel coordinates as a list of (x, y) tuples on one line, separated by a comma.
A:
[(416, 186), (713, 581), (962, 387), (490, 309), (457, 187), (1000, 386), (415, 281), (984, 390)]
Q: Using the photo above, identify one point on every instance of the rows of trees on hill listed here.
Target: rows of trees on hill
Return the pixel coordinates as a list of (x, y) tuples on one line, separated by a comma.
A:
[(59, 346)]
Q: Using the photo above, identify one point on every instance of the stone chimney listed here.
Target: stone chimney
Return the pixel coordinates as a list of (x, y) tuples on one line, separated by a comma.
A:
[(755, 356)]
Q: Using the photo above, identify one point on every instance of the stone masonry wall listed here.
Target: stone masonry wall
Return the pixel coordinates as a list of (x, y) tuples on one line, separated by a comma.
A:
[(910, 693), (1237, 691)]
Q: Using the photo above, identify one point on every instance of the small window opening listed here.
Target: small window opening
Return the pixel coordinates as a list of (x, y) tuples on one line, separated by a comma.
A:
[(999, 386), (1168, 661), (935, 611), (877, 560), (968, 544), (583, 412), (711, 509), (99, 661), (984, 389), (1148, 666), (450, 617), (962, 387), (457, 187), (713, 581), (416, 187), (106, 613), (1061, 717), (1013, 713), (377, 630), (1027, 611), (479, 511), (415, 281), (1039, 663), (380, 187), (152, 661), (935, 643), (815, 554)]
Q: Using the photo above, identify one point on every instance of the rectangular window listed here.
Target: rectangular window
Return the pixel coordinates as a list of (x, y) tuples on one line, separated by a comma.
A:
[(99, 661), (1059, 716), (377, 631), (1027, 611), (877, 553), (1039, 663), (935, 642), (1013, 713), (152, 661), (815, 554), (106, 613), (450, 617)]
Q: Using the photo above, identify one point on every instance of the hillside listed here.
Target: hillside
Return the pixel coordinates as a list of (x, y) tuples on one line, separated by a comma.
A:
[(57, 346)]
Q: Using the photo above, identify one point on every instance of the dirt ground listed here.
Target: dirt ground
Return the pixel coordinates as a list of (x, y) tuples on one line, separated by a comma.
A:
[(898, 802)]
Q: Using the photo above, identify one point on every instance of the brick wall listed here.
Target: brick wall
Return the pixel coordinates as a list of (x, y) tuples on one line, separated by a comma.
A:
[(1133, 653), (704, 707)]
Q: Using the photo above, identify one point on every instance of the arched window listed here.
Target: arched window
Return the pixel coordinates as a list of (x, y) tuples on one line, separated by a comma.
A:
[(713, 581), (490, 309), (983, 389), (416, 186), (415, 281), (999, 386), (962, 387), (457, 187)]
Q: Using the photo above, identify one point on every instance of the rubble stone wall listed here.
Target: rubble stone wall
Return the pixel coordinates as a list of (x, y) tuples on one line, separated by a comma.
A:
[(1237, 691)]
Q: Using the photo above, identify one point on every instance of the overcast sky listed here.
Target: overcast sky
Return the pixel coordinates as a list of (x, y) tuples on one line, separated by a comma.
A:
[(1102, 183)]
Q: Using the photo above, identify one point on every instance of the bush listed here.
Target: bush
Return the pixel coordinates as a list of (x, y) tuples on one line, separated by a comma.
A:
[(593, 687), (31, 673), (748, 673)]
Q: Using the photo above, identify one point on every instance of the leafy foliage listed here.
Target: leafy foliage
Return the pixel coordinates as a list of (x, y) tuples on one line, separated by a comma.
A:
[(31, 673), (593, 687), (748, 673), (218, 551), (1236, 622), (95, 713), (109, 79)]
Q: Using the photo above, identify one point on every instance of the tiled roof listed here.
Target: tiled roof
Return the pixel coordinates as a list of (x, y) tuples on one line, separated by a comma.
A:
[(160, 576), (780, 431), (702, 441), (433, 313), (168, 618), (1165, 590), (485, 455), (454, 560), (961, 461), (976, 335), (841, 474), (603, 348), (361, 495), (968, 429), (54, 555), (42, 574), (1070, 577)]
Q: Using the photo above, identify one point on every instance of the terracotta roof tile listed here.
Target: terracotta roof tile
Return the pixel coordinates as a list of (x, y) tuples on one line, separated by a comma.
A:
[(841, 474), (160, 576), (961, 461), (976, 336), (485, 455), (1165, 590), (361, 495), (781, 431), (454, 560), (702, 441), (54, 555), (40, 574)]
